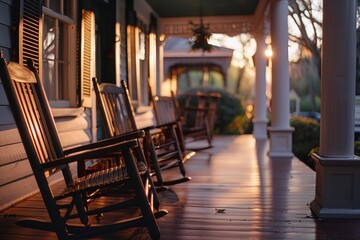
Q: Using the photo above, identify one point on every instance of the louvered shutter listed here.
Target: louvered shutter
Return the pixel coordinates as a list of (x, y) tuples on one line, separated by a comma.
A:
[(29, 36), (87, 56)]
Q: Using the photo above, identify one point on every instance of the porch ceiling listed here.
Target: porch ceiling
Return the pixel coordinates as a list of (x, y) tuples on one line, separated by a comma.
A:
[(187, 8), (230, 17)]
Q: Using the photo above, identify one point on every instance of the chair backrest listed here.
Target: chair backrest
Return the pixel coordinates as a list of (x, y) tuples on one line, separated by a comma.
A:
[(116, 109), (199, 107), (164, 110), (177, 106), (33, 116)]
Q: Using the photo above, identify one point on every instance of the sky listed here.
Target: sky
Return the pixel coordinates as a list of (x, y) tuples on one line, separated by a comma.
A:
[(244, 45)]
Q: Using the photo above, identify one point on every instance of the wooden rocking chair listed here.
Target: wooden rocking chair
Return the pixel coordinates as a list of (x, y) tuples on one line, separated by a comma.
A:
[(165, 145), (166, 118), (197, 115), (118, 117), (70, 216)]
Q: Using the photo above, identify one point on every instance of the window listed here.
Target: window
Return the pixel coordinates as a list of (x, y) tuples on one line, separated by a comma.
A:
[(59, 50), (138, 51)]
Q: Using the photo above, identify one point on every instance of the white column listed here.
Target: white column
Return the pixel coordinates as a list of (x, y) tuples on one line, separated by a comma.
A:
[(160, 63), (337, 169), (260, 119), (338, 79), (280, 130)]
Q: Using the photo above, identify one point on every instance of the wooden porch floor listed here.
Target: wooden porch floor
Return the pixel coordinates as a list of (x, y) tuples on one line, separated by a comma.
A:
[(236, 192)]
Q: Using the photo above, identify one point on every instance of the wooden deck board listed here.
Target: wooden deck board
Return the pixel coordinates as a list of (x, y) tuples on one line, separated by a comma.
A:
[(261, 198)]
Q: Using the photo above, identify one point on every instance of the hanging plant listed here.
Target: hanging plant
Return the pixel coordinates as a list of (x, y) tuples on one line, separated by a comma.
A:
[(200, 38)]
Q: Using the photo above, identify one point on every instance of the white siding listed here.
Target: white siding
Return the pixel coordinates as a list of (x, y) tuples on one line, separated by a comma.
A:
[(16, 180), (5, 26)]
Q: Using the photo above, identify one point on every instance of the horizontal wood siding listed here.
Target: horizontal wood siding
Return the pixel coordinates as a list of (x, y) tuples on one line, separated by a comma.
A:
[(16, 180), (5, 20), (14, 170), (5, 36), (5, 27), (8, 137), (74, 126), (74, 130), (6, 116)]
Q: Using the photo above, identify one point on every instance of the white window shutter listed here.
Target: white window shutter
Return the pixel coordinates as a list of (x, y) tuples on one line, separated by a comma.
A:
[(87, 67), (29, 34)]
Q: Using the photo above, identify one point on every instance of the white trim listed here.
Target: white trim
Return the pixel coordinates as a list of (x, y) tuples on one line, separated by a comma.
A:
[(63, 18), (143, 11), (59, 103), (231, 25), (186, 54), (67, 112)]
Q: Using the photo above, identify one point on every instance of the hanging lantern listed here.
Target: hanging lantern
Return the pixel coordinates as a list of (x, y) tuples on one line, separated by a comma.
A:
[(200, 38)]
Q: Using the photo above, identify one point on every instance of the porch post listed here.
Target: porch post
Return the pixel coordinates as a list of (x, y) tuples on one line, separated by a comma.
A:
[(260, 120), (160, 63), (280, 131), (337, 193)]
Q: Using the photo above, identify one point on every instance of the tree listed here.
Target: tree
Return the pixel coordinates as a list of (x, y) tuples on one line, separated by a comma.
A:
[(306, 20)]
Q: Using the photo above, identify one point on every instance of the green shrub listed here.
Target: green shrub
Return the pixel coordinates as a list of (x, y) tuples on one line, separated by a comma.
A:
[(306, 136), (305, 104), (316, 150), (229, 107), (242, 124), (357, 148)]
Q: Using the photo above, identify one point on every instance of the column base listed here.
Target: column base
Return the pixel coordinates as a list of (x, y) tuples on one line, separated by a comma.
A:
[(260, 129), (337, 193), (280, 142)]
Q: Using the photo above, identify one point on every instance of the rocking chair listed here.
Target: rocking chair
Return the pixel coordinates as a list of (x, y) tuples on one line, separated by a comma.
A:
[(118, 117), (197, 115), (70, 216)]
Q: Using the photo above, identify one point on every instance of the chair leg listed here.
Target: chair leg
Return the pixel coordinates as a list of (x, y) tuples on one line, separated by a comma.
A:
[(139, 155), (145, 207), (179, 152), (161, 183), (179, 133), (57, 223), (153, 157), (208, 133)]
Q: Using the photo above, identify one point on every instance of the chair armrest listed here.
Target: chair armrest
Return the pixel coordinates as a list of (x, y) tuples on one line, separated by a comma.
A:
[(98, 152), (108, 141), (166, 124), (148, 128), (194, 109)]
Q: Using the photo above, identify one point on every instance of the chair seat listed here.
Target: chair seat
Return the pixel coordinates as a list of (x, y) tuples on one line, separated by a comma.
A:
[(189, 130), (106, 177)]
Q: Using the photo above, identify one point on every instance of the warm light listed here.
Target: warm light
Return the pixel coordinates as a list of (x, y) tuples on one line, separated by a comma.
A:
[(162, 37), (249, 110), (268, 40), (268, 51)]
